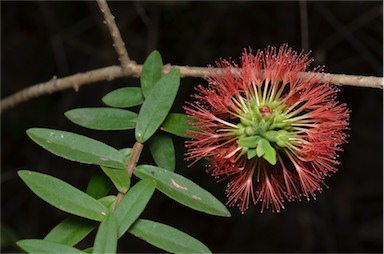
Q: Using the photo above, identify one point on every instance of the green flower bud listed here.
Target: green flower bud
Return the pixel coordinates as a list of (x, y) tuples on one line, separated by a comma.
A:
[(282, 138)]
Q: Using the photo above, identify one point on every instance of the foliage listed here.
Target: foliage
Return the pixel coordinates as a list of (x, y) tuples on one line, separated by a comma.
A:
[(115, 215)]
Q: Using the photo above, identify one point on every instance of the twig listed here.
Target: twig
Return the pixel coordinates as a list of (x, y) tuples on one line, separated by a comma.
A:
[(118, 42), (130, 166), (349, 80), (135, 155), (129, 68), (112, 72)]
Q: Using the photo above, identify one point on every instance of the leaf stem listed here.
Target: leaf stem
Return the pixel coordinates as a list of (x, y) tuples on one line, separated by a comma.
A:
[(135, 155), (130, 167), (119, 196)]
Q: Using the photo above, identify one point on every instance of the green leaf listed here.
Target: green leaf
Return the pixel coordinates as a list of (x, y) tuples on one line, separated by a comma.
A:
[(71, 231), (88, 250), (133, 204), (124, 97), (167, 238), (119, 177), (127, 154), (163, 151), (106, 237), (76, 147), (151, 72), (250, 142), (178, 124), (44, 246), (260, 150), (63, 195), (157, 105), (99, 185), (270, 152), (107, 201), (251, 153), (182, 190), (74, 229), (103, 118)]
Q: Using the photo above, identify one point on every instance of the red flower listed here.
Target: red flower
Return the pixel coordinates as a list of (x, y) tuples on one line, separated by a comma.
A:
[(271, 131)]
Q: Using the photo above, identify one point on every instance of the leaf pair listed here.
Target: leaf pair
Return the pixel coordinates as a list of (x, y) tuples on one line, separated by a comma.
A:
[(70, 199), (158, 234), (72, 230), (160, 95), (120, 119), (114, 223)]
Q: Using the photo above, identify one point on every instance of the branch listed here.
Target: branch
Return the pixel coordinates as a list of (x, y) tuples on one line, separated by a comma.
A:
[(130, 68), (131, 166), (118, 44), (112, 72), (135, 155)]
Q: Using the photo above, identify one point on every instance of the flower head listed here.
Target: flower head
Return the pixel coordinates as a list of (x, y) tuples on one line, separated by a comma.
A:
[(269, 129)]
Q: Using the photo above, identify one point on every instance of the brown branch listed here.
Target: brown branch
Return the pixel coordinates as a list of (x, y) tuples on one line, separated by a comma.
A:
[(350, 80), (112, 72), (54, 85), (118, 42), (135, 155), (131, 166), (130, 68)]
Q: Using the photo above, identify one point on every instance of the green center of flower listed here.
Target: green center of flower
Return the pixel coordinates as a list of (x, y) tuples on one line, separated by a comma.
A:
[(262, 129)]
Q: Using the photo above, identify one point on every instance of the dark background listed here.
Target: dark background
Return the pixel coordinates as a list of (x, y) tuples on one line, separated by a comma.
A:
[(43, 39)]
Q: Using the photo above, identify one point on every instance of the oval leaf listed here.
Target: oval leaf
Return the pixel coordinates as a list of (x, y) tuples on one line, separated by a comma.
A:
[(63, 195), (71, 231), (106, 237), (119, 177), (133, 204), (124, 97), (126, 153), (103, 118), (252, 152), (182, 190), (157, 105), (151, 72), (76, 147), (250, 142), (108, 201), (178, 124), (167, 238), (44, 246), (163, 151), (99, 185), (269, 152)]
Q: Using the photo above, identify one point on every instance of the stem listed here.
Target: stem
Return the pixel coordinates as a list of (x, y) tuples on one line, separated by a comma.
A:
[(130, 167), (118, 42), (112, 72), (119, 196), (136, 151)]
